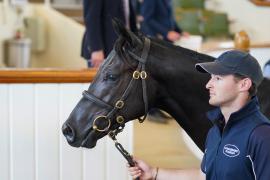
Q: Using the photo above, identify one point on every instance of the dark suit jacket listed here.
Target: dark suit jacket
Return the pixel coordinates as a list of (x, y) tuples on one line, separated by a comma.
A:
[(99, 34), (158, 18)]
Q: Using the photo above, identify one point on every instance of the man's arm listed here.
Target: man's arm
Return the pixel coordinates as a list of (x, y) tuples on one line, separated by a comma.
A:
[(146, 172), (93, 22), (259, 154), (185, 174)]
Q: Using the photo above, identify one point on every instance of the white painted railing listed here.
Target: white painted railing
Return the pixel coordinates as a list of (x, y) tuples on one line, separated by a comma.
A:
[(32, 146)]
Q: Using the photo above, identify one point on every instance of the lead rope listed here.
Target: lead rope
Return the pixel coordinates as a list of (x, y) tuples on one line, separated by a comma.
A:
[(143, 76), (120, 148)]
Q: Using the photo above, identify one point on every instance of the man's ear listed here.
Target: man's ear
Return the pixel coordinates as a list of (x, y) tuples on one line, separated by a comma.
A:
[(245, 84)]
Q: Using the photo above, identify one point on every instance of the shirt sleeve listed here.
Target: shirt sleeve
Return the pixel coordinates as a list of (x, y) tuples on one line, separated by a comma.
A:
[(259, 152), (93, 23)]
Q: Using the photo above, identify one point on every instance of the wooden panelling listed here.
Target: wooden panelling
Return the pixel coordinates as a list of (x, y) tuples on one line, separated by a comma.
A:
[(70, 157), (47, 130), (4, 132), (261, 2), (22, 132), (32, 146), (46, 76), (36, 1)]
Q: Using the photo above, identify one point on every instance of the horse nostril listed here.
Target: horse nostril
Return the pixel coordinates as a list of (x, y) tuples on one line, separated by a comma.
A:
[(68, 133)]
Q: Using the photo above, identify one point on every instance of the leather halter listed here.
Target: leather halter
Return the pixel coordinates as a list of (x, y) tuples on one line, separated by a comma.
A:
[(139, 73)]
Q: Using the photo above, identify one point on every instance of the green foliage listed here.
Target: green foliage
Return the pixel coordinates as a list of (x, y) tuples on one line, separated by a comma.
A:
[(189, 4), (203, 22)]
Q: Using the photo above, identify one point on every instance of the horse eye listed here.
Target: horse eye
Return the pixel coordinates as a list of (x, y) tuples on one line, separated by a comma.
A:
[(111, 77)]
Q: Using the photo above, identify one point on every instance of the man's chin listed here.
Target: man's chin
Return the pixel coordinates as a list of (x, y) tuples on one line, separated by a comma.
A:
[(213, 103)]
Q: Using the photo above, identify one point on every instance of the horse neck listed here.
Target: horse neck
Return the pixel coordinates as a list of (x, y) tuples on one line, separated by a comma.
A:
[(180, 89), (173, 68)]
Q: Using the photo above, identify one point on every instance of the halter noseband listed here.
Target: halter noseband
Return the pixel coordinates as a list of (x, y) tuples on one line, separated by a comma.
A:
[(139, 73)]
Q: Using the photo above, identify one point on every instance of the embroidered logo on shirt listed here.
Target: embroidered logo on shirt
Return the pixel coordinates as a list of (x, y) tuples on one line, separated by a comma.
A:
[(231, 150)]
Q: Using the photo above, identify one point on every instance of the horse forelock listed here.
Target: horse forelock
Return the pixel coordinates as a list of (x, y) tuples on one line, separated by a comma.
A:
[(122, 48), (171, 51)]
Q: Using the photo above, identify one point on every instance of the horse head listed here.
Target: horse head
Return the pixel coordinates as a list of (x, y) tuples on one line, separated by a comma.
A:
[(119, 93), (137, 76)]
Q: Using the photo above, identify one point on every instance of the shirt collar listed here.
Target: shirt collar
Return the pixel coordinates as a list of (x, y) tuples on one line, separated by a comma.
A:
[(252, 105)]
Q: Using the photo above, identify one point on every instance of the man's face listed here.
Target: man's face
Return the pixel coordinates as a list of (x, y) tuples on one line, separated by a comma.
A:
[(222, 90)]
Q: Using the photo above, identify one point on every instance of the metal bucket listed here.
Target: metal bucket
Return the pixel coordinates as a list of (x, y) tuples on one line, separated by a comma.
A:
[(19, 53)]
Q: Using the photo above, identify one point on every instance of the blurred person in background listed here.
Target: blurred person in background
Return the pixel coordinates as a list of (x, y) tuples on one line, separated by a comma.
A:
[(99, 35), (159, 21)]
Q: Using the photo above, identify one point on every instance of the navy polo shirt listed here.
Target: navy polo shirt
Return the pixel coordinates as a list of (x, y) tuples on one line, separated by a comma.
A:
[(241, 149)]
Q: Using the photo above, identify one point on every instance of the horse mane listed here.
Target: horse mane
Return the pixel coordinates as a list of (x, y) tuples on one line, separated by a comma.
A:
[(198, 57), (178, 51)]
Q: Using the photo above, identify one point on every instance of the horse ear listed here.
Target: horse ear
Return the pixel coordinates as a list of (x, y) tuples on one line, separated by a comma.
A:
[(121, 30)]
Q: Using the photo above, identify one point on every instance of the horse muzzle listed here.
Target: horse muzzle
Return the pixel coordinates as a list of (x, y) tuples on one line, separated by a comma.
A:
[(68, 132), (87, 140)]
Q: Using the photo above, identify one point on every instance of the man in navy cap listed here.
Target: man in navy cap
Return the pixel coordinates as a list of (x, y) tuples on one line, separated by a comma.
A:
[(238, 144)]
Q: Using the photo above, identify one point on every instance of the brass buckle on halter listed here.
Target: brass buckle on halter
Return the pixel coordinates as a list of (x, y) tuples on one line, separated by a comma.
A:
[(95, 127), (120, 119), (119, 104), (143, 75), (136, 75)]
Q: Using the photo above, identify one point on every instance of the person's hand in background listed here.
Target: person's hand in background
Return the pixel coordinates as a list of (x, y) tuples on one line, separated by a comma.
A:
[(185, 34), (173, 36), (97, 57)]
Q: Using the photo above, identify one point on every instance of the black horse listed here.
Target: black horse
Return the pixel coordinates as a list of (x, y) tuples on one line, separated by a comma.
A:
[(140, 74)]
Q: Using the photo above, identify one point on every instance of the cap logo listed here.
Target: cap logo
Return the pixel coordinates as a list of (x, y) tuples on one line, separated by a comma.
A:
[(231, 150)]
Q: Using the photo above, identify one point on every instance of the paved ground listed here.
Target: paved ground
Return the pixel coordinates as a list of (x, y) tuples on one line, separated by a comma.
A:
[(162, 145)]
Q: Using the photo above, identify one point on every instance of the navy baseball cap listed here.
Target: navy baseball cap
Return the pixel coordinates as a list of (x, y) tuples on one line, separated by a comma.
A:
[(234, 62)]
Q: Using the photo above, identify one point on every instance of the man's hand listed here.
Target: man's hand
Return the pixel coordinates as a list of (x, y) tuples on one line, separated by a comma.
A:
[(142, 170), (97, 57), (146, 172)]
